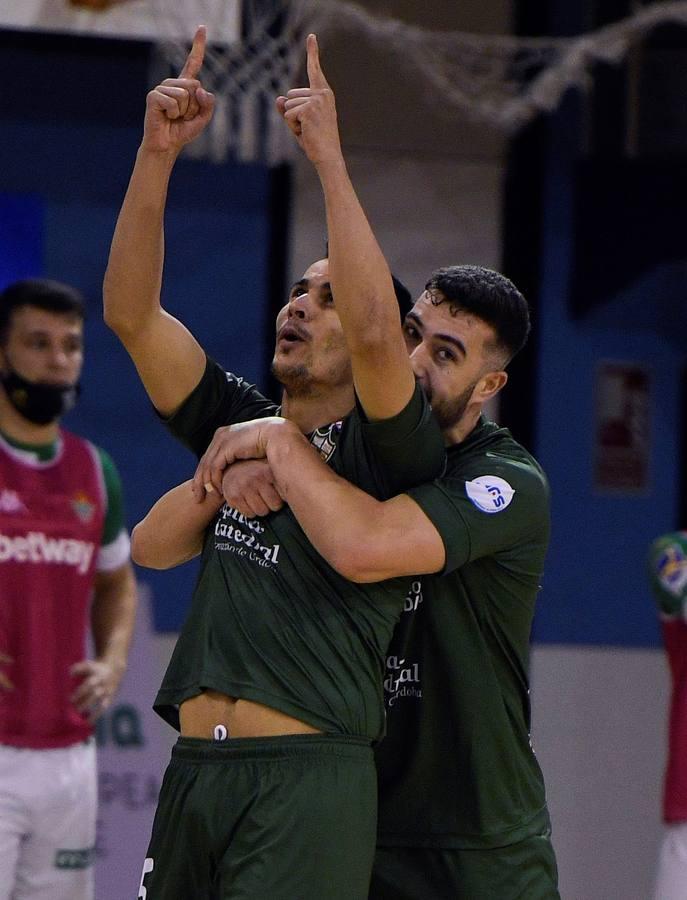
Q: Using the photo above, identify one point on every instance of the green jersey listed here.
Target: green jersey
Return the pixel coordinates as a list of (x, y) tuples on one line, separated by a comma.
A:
[(456, 768), (270, 620)]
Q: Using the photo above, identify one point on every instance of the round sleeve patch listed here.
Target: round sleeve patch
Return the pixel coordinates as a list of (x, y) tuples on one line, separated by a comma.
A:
[(489, 493)]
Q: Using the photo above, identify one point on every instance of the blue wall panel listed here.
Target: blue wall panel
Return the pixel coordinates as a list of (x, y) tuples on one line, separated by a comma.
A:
[(595, 589), (21, 236), (73, 178)]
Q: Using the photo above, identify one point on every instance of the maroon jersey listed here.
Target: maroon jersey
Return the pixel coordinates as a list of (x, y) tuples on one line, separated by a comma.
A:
[(51, 524), (675, 784), (668, 574)]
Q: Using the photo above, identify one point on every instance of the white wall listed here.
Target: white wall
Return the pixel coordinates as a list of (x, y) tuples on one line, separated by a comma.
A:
[(425, 213), (599, 730)]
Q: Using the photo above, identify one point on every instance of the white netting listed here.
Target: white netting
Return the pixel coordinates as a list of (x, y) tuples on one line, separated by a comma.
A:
[(245, 77), (502, 80)]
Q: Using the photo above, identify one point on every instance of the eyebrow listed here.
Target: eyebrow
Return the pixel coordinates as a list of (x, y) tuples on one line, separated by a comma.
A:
[(305, 283), (446, 338), (44, 333)]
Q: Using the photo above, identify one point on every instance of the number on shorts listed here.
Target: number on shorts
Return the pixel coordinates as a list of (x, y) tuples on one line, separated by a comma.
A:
[(147, 869)]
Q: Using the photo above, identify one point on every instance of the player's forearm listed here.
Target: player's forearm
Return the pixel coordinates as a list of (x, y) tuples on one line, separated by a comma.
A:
[(359, 273), (339, 519), (173, 530), (113, 614), (133, 280), (365, 301)]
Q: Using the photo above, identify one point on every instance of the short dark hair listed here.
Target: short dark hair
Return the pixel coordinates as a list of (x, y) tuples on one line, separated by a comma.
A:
[(43, 293), (403, 297), (488, 295)]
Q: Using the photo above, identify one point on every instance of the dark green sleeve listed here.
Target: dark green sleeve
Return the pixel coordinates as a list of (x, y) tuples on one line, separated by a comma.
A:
[(487, 507), (114, 544), (668, 573), (220, 398), (114, 515), (408, 447)]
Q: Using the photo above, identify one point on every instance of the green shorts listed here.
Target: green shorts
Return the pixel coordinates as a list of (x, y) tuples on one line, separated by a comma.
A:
[(285, 818), (523, 871)]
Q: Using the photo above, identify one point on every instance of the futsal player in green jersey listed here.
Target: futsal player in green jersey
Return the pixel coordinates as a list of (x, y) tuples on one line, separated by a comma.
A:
[(276, 680), (462, 809)]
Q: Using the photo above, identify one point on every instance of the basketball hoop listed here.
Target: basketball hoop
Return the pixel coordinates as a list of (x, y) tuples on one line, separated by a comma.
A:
[(97, 4), (245, 75), (502, 80)]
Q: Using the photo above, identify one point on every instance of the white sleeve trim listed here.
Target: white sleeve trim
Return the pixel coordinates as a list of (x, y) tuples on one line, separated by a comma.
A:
[(114, 554)]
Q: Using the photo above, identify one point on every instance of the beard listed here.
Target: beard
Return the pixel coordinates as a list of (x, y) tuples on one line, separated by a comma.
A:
[(448, 413), (316, 375), (295, 379)]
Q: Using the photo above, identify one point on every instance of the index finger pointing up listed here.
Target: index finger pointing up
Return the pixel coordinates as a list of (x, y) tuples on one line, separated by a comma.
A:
[(316, 77), (194, 60)]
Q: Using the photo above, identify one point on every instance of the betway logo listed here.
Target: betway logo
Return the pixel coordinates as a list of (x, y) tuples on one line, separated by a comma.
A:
[(37, 547)]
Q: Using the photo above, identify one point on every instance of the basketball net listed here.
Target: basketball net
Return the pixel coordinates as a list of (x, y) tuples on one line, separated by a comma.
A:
[(501, 80), (97, 4)]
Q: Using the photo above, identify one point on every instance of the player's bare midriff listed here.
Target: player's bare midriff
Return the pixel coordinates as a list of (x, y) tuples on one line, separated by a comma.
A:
[(199, 717)]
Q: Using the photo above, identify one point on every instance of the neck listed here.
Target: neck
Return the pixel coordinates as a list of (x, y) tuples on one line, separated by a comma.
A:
[(457, 433), (313, 410), (17, 428)]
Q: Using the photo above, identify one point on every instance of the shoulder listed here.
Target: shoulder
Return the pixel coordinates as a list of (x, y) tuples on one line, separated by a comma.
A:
[(668, 572), (74, 443), (494, 468), (492, 500), (675, 539), (668, 558), (215, 384), (108, 466), (99, 455), (408, 447), (107, 473), (217, 379), (220, 398)]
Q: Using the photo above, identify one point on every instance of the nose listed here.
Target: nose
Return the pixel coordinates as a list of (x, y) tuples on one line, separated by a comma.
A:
[(59, 358), (63, 359), (418, 359), (418, 363), (299, 306)]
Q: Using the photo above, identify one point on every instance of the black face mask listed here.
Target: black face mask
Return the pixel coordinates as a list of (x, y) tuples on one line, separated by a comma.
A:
[(38, 402)]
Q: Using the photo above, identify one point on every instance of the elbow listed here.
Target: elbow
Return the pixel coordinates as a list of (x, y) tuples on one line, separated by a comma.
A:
[(111, 315), (114, 319), (367, 576), (141, 551), (138, 552), (351, 564), (117, 314)]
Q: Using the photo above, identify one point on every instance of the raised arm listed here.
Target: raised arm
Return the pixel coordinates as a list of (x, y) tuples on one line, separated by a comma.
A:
[(172, 532), (168, 358), (361, 281)]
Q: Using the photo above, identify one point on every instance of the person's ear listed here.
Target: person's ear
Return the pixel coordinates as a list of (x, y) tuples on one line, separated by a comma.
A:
[(489, 385)]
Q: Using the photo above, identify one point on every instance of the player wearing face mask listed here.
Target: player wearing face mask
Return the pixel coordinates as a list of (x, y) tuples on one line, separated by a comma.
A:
[(64, 559)]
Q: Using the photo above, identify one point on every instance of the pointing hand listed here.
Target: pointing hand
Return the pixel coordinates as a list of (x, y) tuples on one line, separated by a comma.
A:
[(310, 112), (178, 109)]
